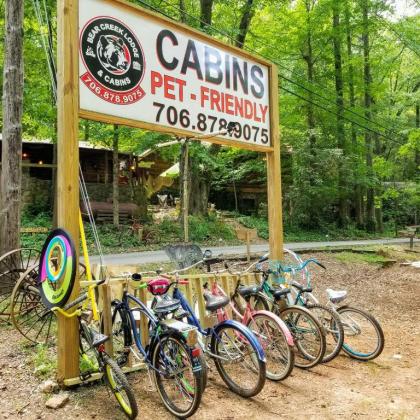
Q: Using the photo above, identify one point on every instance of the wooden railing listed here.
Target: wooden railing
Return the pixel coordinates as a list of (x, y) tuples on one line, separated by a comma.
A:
[(193, 292)]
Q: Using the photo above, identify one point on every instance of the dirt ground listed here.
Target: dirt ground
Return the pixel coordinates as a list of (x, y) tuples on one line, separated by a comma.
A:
[(387, 388)]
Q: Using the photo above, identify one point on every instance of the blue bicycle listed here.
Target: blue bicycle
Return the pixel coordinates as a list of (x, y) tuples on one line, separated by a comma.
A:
[(172, 353), (235, 350)]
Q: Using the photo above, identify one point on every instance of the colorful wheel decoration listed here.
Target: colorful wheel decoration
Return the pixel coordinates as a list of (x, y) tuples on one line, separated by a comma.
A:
[(57, 269)]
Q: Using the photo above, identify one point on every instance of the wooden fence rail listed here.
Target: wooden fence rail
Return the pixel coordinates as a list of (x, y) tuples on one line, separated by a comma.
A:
[(193, 292)]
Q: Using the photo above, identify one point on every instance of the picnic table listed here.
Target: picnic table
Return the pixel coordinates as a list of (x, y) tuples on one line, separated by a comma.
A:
[(410, 232)]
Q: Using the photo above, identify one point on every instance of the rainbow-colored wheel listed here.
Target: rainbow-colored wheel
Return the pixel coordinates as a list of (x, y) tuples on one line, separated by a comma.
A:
[(57, 269)]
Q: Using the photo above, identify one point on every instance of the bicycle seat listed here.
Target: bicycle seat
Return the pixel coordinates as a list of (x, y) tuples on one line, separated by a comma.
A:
[(98, 338), (246, 291), (166, 305), (279, 293), (336, 296), (301, 288), (213, 303)]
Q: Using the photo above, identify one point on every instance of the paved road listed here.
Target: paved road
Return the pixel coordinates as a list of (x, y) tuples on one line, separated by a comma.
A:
[(135, 258)]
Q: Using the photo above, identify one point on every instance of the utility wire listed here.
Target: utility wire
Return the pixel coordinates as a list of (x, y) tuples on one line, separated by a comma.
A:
[(330, 99), (288, 79)]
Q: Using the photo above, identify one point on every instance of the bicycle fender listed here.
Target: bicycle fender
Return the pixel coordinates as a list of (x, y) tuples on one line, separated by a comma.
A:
[(279, 322), (247, 333)]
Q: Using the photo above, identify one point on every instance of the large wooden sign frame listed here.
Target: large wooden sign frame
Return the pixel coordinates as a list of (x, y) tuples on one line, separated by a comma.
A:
[(69, 112)]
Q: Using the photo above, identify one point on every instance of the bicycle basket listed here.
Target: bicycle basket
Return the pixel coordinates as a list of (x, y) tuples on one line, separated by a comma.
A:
[(184, 255)]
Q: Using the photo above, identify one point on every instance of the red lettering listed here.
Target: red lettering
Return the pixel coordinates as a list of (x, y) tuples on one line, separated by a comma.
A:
[(229, 104), (256, 118), (215, 100), (248, 109), (264, 110), (239, 106), (204, 95), (156, 81)]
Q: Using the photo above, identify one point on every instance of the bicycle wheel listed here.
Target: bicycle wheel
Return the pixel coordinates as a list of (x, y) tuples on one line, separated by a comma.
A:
[(179, 386), (121, 335), (363, 335), (308, 336), (333, 328), (259, 302), (27, 311), (236, 359), (12, 265), (120, 387), (279, 354)]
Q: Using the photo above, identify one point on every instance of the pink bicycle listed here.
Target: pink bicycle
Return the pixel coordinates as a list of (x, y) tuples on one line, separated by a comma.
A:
[(271, 331)]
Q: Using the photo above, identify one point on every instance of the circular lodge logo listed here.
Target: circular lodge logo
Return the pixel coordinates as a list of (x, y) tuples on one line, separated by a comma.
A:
[(113, 59)]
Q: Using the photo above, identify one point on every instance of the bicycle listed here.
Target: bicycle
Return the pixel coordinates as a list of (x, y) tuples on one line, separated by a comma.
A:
[(171, 353), (271, 331), (360, 328), (308, 334), (237, 353), (329, 319), (93, 355)]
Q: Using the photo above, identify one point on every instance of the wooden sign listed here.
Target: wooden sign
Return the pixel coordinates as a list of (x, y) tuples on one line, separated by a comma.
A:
[(137, 68)]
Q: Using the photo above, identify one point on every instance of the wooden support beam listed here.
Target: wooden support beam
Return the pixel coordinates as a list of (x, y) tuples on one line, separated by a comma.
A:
[(68, 167), (275, 216), (107, 317)]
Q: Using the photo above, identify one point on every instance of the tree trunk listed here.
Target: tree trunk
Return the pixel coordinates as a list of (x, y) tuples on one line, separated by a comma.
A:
[(182, 13), (248, 13), (370, 203), (341, 137), (206, 13), (309, 58), (357, 194), (417, 156), (183, 156), (116, 172), (11, 171)]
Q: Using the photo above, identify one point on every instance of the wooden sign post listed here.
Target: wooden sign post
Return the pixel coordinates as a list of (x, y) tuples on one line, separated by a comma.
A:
[(121, 64), (68, 166)]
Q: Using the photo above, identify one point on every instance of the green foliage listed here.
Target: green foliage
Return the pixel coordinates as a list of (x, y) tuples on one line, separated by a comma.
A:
[(44, 360)]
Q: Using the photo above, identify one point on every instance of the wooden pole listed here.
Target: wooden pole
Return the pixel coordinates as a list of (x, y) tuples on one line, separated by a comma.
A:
[(68, 167), (275, 216), (185, 198)]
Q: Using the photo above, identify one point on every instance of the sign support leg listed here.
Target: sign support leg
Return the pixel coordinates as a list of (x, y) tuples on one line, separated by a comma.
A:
[(275, 215), (68, 167)]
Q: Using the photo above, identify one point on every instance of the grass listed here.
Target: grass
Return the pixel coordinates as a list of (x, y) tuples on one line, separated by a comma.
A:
[(350, 257), (44, 360), (325, 233)]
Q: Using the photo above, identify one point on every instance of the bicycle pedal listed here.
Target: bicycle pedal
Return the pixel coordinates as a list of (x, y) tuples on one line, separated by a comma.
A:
[(85, 376)]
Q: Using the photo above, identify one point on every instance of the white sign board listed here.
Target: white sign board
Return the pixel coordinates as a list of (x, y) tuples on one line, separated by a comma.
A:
[(137, 67)]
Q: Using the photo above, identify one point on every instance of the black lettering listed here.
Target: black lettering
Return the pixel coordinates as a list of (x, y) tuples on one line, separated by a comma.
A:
[(213, 67), (256, 76), (227, 70), (243, 76), (191, 60), (170, 65)]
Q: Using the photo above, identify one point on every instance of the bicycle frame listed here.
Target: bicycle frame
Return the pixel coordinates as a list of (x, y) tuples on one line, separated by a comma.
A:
[(125, 307), (212, 331), (249, 313)]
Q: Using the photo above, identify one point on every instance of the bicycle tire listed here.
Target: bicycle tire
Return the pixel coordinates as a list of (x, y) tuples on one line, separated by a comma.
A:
[(317, 330), (287, 353), (257, 364), (118, 382), (184, 385), (371, 319), (333, 329)]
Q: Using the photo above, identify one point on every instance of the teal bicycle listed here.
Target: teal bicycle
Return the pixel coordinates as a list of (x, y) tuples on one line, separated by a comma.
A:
[(363, 337), (308, 333)]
